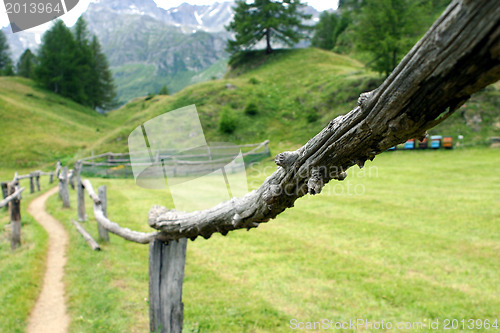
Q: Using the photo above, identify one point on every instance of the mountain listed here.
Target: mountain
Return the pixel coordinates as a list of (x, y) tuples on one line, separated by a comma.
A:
[(148, 46)]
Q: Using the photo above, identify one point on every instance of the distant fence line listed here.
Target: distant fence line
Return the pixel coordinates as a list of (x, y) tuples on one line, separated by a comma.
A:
[(120, 164)]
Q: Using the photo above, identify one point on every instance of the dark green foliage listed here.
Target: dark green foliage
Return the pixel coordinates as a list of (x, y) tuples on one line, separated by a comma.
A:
[(387, 29), (312, 115), (227, 122), (251, 109), (5, 61), (57, 68), (73, 66), (384, 30), (163, 90), (325, 31), (253, 80), (27, 64), (265, 19), (104, 92)]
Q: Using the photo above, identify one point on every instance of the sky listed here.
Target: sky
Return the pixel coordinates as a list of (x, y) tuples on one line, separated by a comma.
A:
[(71, 17)]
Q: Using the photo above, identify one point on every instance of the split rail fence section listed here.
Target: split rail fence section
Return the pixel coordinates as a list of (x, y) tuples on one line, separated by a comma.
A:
[(11, 193)]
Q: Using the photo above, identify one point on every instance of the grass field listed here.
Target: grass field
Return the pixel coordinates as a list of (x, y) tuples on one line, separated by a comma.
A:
[(21, 271), (413, 237)]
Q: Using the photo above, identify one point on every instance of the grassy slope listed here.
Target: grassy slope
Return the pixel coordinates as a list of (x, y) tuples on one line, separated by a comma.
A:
[(299, 90), (21, 271), (39, 126), (414, 237), (296, 92)]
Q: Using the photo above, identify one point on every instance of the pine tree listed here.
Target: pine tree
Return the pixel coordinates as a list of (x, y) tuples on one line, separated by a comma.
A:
[(163, 90), (324, 31), (83, 59), (103, 92), (57, 69), (26, 64), (5, 61), (266, 19)]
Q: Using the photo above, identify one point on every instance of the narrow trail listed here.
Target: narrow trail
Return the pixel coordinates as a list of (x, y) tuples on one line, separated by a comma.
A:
[(49, 313)]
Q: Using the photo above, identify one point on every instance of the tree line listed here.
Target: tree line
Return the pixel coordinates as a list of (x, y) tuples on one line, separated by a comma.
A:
[(379, 32), (69, 62)]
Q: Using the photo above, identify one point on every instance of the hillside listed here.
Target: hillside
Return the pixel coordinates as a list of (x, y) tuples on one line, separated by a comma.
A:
[(294, 95), (39, 126)]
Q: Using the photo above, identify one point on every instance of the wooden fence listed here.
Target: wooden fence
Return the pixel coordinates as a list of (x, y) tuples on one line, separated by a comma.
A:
[(200, 161), (166, 259), (11, 193)]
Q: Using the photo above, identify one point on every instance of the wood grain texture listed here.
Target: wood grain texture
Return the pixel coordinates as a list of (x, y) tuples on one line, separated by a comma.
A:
[(166, 276)]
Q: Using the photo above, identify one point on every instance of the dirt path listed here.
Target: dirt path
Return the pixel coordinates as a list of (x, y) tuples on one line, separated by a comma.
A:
[(49, 314)]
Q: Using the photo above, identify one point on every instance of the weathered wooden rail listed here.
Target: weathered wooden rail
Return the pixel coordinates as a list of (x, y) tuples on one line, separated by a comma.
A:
[(166, 259)]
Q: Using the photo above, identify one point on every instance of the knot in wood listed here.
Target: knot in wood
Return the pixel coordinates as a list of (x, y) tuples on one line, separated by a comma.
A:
[(286, 159), (315, 183), (364, 98)]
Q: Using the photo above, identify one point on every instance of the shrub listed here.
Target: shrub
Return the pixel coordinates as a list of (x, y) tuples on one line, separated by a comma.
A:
[(227, 122), (253, 81), (163, 90), (251, 109), (312, 115)]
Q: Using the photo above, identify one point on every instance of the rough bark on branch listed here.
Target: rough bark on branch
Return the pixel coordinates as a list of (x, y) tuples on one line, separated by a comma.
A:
[(458, 56)]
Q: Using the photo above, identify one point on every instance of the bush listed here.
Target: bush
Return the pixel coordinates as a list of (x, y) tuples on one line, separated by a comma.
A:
[(227, 122), (163, 90), (251, 109), (312, 116), (253, 81)]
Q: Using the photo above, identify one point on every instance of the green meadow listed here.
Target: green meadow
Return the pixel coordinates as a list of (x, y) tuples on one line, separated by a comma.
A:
[(412, 237)]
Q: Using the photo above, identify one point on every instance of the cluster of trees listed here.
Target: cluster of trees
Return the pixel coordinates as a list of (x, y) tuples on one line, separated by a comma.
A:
[(383, 30), (69, 62), (6, 67)]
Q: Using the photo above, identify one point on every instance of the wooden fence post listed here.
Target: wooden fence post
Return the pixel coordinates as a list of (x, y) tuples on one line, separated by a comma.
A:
[(5, 193), (37, 180), (58, 168), (63, 187), (51, 179), (103, 232), (15, 218), (71, 179), (166, 276), (80, 192), (32, 183)]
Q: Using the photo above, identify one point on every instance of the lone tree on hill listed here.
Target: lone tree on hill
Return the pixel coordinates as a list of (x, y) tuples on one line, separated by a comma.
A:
[(266, 19)]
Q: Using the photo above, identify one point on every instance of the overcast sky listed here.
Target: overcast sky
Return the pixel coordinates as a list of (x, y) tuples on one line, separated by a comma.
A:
[(71, 17)]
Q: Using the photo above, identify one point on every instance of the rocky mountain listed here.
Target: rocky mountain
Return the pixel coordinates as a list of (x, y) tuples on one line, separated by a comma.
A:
[(148, 46)]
